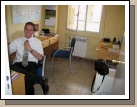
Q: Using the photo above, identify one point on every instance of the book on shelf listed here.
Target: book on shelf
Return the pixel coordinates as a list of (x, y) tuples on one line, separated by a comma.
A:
[(14, 75), (111, 64)]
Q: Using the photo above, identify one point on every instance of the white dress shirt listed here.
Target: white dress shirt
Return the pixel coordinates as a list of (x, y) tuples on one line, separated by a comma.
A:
[(17, 46)]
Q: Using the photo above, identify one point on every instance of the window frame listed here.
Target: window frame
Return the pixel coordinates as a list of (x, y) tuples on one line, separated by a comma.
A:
[(76, 30)]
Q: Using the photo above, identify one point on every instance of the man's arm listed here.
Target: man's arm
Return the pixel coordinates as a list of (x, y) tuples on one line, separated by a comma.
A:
[(33, 52), (36, 54)]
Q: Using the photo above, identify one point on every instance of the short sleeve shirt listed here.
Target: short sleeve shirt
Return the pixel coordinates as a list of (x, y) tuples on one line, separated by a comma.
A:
[(17, 46)]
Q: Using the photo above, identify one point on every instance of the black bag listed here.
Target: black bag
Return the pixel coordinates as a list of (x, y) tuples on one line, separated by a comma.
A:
[(102, 68)]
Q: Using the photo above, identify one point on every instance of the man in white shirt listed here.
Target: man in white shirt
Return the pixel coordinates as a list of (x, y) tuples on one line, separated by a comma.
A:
[(35, 54)]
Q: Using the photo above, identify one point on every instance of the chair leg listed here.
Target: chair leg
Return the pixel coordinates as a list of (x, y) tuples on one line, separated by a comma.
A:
[(70, 64)]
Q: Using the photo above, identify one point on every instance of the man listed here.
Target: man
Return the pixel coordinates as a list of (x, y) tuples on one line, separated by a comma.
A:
[(34, 53)]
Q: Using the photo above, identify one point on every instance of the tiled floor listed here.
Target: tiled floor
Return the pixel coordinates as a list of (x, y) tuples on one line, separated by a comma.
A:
[(62, 82)]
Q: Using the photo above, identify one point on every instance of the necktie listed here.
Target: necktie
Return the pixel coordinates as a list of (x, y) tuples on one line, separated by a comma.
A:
[(25, 57)]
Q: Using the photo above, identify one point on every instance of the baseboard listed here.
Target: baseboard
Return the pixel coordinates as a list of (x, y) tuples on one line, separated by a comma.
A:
[(85, 59)]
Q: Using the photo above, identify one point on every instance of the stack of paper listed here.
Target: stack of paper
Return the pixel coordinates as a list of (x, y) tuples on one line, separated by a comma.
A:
[(115, 46)]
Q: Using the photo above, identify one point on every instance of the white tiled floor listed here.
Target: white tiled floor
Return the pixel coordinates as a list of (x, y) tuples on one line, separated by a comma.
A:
[(62, 82)]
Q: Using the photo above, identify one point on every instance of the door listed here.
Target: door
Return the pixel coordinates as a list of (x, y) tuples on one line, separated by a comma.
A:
[(118, 87), (8, 86)]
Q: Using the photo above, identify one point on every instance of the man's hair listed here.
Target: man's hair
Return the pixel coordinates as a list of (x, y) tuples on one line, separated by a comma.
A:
[(30, 23)]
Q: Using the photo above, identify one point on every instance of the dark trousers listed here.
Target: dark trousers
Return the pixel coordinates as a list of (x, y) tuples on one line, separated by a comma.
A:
[(30, 75)]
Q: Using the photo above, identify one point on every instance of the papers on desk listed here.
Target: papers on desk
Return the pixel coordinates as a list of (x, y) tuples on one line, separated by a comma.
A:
[(115, 46), (50, 34), (115, 49), (14, 75), (43, 36)]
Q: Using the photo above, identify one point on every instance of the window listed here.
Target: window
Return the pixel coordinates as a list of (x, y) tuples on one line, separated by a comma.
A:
[(84, 17)]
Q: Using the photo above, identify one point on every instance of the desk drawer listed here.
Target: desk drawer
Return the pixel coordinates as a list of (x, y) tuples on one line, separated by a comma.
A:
[(45, 43), (108, 55), (112, 56), (102, 55)]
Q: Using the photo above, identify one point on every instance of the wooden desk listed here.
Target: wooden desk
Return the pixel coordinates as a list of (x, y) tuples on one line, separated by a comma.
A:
[(103, 52), (18, 85), (48, 40)]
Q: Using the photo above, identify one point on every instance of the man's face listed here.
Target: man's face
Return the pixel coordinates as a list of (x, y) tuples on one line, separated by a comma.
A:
[(28, 31)]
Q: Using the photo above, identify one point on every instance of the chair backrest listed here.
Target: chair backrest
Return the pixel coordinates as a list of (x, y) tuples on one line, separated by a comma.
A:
[(72, 44)]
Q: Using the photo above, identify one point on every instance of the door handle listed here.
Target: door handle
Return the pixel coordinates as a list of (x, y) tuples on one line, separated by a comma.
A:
[(115, 61)]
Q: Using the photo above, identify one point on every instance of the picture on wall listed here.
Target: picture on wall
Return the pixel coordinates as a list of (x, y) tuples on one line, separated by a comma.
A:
[(36, 27), (50, 15)]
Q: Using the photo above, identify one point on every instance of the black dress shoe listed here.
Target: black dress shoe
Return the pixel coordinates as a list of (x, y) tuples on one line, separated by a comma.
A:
[(45, 80), (45, 89), (44, 85)]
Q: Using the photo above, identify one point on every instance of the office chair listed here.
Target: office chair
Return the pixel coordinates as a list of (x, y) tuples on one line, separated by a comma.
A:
[(41, 69), (62, 53)]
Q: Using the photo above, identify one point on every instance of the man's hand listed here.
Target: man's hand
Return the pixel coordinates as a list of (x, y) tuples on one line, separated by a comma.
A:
[(27, 45)]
